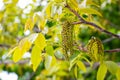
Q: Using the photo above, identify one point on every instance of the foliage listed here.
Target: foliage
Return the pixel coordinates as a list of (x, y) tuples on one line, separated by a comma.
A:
[(59, 39)]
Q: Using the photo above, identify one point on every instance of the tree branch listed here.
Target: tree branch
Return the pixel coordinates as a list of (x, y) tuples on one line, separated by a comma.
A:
[(81, 48), (4, 45), (90, 23), (113, 50)]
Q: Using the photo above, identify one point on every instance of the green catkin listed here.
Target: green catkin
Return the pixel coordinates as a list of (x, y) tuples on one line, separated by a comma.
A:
[(95, 49), (67, 38)]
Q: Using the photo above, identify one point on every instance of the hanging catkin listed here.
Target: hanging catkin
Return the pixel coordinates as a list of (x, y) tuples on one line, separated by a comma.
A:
[(67, 38)]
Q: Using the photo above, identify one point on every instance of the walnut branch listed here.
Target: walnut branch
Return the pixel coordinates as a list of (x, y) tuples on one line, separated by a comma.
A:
[(81, 48), (90, 23)]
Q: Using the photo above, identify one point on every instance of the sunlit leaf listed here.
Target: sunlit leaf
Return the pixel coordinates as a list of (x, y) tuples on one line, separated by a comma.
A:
[(75, 71), (118, 74), (41, 24), (61, 73), (32, 37), (17, 54), (101, 72), (29, 24), (48, 10), (35, 18), (49, 50), (49, 61), (36, 57), (19, 51), (81, 65), (73, 4), (40, 41), (111, 66), (89, 11), (11, 51), (90, 2)]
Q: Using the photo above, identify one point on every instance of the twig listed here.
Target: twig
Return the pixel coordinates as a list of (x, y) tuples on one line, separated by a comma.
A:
[(108, 40), (4, 45), (81, 48), (113, 50), (90, 23), (11, 62)]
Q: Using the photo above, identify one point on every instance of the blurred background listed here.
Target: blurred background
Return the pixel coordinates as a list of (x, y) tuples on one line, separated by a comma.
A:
[(13, 15)]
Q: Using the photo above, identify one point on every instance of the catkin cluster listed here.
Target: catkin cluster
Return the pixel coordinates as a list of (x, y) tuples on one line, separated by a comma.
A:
[(67, 38), (95, 49)]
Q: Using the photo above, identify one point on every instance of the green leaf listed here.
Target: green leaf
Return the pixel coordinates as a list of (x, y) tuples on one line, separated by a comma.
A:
[(36, 57), (89, 11), (75, 71), (101, 72), (40, 41), (81, 65), (49, 50), (118, 74), (112, 66)]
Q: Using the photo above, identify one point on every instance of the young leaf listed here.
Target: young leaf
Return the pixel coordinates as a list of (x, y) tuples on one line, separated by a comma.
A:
[(90, 2), (29, 24), (89, 11), (81, 65), (49, 61), (36, 57), (101, 72), (49, 50), (17, 54), (112, 66), (118, 74), (73, 4), (48, 9), (41, 24), (11, 51), (23, 47), (40, 41), (75, 71)]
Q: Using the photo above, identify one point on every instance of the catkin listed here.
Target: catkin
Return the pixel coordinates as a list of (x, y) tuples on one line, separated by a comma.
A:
[(67, 38)]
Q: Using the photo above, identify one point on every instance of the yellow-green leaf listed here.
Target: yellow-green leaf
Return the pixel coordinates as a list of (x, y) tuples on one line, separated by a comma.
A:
[(112, 66), (81, 65), (49, 61), (41, 24), (48, 10), (29, 24), (36, 57), (35, 18), (73, 4), (90, 2), (11, 51), (32, 37), (19, 51), (17, 54), (89, 11), (49, 50), (75, 71), (40, 41), (101, 72), (118, 74)]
